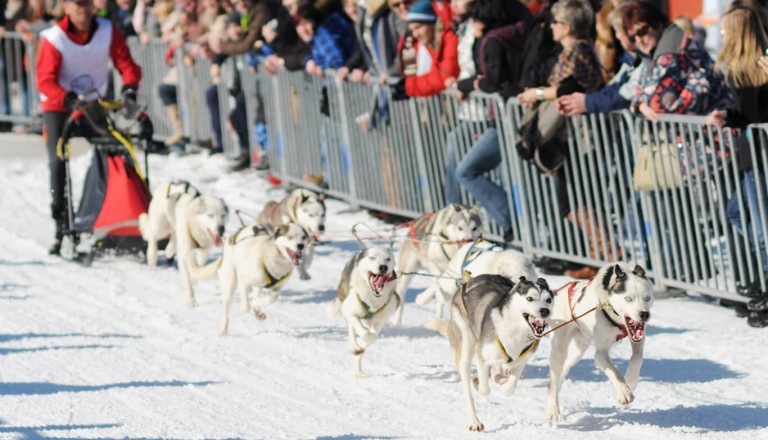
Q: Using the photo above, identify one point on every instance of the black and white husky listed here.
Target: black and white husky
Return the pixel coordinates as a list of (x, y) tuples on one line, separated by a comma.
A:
[(497, 323), (622, 301), (434, 239), (303, 207), (366, 298)]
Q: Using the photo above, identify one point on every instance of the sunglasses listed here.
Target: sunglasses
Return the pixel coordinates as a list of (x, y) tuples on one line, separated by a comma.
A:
[(643, 31), (403, 3)]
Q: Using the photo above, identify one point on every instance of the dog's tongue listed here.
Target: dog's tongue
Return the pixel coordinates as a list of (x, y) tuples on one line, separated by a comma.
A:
[(636, 329), (537, 324), (217, 240), (295, 256), (379, 280)]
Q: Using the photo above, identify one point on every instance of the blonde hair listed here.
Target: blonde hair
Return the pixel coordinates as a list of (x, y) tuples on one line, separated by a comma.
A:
[(686, 24), (744, 43)]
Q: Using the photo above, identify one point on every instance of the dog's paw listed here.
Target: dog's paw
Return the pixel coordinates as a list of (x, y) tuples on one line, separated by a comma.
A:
[(361, 375), (245, 307), (259, 314), (191, 303), (501, 379), (554, 416), (304, 277), (625, 396), (358, 351), (476, 426), (223, 333)]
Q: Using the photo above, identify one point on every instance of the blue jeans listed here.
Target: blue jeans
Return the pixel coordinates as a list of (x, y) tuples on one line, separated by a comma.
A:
[(484, 156), (749, 187)]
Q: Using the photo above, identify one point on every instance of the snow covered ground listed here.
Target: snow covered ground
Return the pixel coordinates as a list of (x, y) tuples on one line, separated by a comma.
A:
[(112, 351)]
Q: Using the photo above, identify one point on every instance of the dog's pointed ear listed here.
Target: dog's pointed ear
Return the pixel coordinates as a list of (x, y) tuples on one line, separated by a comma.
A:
[(280, 230), (620, 274), (474, 210), (456, 207), (542, 283), (522, 280), (321, 197), (639, 271)]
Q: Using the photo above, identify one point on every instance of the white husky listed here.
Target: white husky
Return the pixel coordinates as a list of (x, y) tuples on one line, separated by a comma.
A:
[(622, 300), (496, 323), (478, 258), (255, 258), (306, 209), (366, 298), (194, 223), (434, 240)]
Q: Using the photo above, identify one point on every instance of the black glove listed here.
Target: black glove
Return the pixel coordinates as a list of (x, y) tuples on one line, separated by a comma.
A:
[(398, 91), (72, 102), (131, 108)]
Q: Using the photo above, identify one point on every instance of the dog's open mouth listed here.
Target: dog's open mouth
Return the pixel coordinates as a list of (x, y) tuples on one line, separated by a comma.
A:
[(295, 256), (215, 237), (379, 280), (537, 324), (636, 329)]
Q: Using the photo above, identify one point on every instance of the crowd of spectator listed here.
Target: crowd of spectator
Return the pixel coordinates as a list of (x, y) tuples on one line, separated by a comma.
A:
[(557, 57)]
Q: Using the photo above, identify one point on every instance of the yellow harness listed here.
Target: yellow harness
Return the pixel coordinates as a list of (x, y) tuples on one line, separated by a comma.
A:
[(367, 308)]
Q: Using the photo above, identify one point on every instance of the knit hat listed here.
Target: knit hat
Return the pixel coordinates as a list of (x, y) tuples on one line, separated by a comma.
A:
[(421, 12), (232, 18)]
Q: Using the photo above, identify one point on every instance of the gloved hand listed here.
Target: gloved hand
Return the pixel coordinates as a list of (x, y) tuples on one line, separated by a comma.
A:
[(398, 91), (131, 108), (72, 102)]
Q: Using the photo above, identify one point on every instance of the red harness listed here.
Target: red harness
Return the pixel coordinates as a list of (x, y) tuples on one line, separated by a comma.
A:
[(572, 290)]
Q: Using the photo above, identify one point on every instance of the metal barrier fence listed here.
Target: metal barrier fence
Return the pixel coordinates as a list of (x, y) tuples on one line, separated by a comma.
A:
[(19, 99), (589, 212)]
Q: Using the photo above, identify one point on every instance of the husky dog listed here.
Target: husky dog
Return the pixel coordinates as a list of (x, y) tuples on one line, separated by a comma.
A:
[(256, 258), (194, 222), (306, 209), (623, 302), (435, 239), (478, 258), (497, 323), (367, 298)]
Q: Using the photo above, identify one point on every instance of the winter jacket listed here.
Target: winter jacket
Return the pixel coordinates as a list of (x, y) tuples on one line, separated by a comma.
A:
[(287, 44), (377, 41), (54, 65), (540, 51), (333, 43), (610, 97), (750, 106), (445, 59), (679, 77)]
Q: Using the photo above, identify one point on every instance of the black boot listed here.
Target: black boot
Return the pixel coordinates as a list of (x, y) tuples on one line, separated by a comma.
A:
[(59, 215), (758, 319), (759, 304)]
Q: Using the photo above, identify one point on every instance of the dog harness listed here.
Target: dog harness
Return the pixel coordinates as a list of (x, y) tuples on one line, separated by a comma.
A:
[(473, 253), (526, 351), (368, 313), (571, 291), (273, 281)]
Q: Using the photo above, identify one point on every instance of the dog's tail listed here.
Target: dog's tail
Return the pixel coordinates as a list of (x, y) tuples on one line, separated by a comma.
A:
[(438, 325), (334, 308), (202, 272)]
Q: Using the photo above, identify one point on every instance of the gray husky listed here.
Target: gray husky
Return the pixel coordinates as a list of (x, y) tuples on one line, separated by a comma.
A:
[(498, 323)]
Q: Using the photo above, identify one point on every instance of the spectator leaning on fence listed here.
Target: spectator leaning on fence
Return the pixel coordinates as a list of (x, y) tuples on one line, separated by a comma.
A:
[(500, 32), (331, 38), (75, 57), (620, 90), (428, 54), (745, 68), (377, 31), (270, 16), (678, 74)]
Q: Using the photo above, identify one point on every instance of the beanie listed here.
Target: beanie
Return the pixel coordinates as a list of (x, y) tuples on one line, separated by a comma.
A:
[(421, 12)]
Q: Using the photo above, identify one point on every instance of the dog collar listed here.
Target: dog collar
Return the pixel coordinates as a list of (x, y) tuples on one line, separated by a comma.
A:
[(526, 351), (368, 313), (624, 332), (273, 281)]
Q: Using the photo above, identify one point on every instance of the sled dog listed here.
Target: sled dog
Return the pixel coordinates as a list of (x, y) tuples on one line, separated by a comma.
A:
[(194, 223), (366, 298), (257, 259), (478, 258), (434, 240), (623, 300), (497, 323), (306, 209)]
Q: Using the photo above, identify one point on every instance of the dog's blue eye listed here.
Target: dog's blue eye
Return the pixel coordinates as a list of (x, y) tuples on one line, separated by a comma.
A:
[(628, 298)]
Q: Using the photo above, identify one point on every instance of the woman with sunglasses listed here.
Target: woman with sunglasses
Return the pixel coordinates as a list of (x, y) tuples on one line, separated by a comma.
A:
[(678, 74)]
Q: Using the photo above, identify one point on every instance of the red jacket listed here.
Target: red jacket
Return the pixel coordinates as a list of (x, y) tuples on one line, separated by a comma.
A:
[(49, 64), (445, 60)]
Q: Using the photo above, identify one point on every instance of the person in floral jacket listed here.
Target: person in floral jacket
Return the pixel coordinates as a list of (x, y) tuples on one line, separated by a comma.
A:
[(678, 74)]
